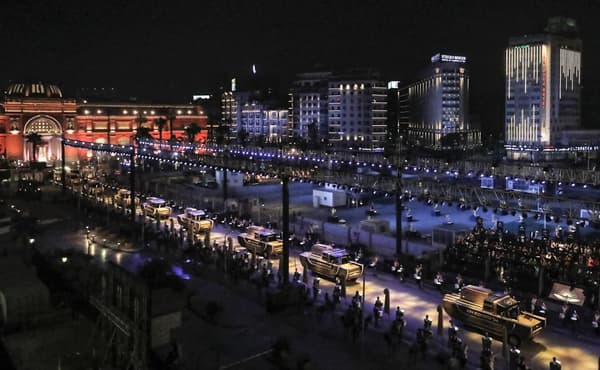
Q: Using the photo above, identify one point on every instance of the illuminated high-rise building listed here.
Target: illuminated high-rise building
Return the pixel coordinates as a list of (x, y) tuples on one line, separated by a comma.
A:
[(308, 104), (543, 88), (357, 109), (435, 107)]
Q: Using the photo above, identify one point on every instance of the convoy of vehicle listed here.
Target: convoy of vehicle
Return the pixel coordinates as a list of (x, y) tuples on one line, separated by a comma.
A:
[(331, 263), (481, 308), (260, 240)]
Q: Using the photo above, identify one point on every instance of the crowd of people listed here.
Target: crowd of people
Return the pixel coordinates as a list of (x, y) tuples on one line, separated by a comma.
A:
[(521, 257)]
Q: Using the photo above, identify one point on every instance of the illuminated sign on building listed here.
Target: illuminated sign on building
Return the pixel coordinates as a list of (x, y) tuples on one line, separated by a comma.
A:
[(200, 97), (393, 84), (448, 58), (233, 84)]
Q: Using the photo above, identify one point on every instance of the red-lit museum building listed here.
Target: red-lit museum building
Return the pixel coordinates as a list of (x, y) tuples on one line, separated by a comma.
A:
[(42, 108)]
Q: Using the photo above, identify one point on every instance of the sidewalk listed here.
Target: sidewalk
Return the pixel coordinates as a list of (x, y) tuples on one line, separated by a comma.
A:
[(322, 339), (585, 331)]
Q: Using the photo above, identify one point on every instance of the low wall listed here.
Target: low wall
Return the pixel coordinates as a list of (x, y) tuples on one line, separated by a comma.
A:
[(383, 245)]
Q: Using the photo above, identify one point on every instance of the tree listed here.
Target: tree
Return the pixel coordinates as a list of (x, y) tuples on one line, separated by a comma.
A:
[(35, 139), (140, 119), (160, 122), (242, 136), (170, 116), (142, 133), (191, 131)]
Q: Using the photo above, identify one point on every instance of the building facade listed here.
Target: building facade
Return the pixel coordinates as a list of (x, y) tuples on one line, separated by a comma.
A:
[(255, 112), (263, 123), (357, 109), (42, 109), (435, 107), (543, 88), (308, 104)]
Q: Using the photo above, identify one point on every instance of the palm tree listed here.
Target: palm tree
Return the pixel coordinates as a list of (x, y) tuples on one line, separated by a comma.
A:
[(191, 131), (160, 122), (170, 116), (140, 119), (142, 133), (35, 139)]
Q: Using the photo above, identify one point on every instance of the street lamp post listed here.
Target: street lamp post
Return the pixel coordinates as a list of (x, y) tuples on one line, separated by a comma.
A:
[(132, 183), (63, 176), (399, 203), (285, 257)]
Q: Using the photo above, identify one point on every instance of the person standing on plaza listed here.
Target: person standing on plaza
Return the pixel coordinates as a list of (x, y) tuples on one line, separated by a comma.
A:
[(452, 334), (337, 292), (562, 315), (486, 343), (513, 358), (377, 311), (596, 323), (399, 313), (438, 281), (419, 275), (316, 288), (555, 364), (459, 283), (574, 320), (297, 277), (533, 304), (357, 300), (542, 309)]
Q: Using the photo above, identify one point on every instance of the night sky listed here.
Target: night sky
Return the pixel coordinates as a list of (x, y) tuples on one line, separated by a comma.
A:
[(173, 49)]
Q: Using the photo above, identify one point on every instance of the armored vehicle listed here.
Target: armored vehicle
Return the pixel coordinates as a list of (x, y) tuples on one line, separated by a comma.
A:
[(331, 263), (260, 240), (195, 220), (482, 309), (157, 208)]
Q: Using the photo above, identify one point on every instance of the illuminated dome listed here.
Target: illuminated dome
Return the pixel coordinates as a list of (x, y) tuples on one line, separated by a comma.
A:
[(33, 90)]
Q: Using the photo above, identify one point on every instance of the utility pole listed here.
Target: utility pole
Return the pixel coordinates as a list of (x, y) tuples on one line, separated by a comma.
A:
[(399, 201), (226, 154), (132, 182), (63, 177), (284, 268)]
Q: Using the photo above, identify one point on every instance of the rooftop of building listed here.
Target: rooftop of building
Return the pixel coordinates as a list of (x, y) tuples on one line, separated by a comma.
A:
[(557, 28), (33, 90)]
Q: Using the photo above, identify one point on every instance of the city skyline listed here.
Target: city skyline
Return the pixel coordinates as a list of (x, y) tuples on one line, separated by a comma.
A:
[(172, 51)]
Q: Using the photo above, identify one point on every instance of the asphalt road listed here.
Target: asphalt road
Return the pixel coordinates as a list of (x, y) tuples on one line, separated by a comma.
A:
[(575, 353)]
